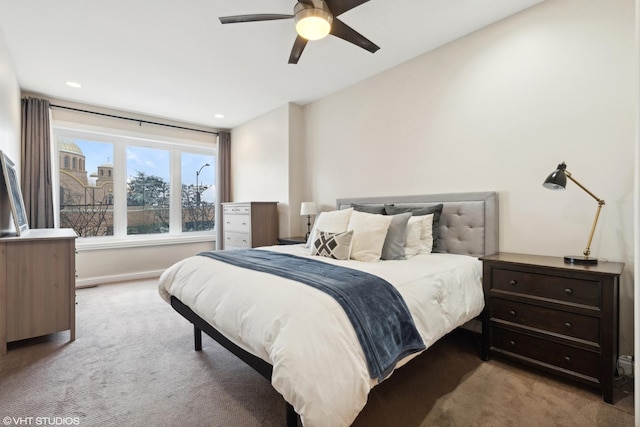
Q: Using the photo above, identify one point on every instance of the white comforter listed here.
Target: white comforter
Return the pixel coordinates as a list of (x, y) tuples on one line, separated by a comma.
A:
[(318, 364)]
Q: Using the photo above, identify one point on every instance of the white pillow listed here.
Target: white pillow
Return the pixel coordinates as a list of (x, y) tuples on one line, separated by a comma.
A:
[(369, 233), (426, 237), (412, 244), (330, 222)]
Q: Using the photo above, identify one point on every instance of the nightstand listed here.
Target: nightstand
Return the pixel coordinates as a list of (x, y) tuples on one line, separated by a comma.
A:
[(561, 318), (291, 240)]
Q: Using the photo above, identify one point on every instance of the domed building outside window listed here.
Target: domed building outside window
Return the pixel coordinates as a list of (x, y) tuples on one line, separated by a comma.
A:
[(86, 201)]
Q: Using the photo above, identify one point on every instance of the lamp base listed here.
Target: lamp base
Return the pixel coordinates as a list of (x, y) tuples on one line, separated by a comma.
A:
[(580, 259)]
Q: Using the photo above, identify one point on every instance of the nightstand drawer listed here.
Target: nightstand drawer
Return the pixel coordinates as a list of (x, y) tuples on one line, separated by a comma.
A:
[(561, 288), (237, 240), (240, 223), (546, 319), (562, 356)]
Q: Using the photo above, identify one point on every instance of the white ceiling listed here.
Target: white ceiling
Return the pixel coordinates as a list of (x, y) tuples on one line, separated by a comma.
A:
[(173, 59)]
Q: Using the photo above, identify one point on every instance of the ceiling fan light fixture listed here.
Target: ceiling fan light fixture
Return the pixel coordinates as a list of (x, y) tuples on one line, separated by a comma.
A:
[(313, 23)]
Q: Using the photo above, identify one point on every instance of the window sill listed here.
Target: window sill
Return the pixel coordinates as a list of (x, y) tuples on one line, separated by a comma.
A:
[(104, 243)]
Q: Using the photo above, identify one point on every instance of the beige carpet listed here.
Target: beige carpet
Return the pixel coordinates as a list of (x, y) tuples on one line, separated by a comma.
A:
[(133, 364)]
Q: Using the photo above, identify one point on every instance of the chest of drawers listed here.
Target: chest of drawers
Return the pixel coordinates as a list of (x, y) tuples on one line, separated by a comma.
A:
[(561, 318), (37, 285), (249, 224)]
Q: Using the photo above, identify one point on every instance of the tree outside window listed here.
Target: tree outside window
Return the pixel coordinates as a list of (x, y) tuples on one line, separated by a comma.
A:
[(198, 192), (86, 201), (94, 190)]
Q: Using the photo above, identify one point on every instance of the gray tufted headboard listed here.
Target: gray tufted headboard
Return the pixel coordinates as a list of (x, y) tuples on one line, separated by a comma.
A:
[(469, 221)]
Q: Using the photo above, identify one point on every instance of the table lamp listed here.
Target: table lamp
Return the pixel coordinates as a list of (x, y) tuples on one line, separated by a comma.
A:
[(308, 209), (558, 181)]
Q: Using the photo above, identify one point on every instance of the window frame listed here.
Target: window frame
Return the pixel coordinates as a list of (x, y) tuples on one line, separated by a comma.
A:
[(120, 140)]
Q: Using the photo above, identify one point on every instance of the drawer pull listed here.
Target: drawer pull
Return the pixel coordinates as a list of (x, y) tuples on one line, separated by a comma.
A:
[(568, 325), (567, 359), (512, 312), (512, 343), (568, 291), (513, 282)]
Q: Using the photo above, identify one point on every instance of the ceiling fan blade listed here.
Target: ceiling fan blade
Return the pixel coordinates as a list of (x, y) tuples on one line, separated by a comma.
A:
[(296, 51), (338, 7), (345, 32), (252, 18)]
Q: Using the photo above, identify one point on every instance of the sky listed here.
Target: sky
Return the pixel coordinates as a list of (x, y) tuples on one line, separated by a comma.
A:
[(151, 161)]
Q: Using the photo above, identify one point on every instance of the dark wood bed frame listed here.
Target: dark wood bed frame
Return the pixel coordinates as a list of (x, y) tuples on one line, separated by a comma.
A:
[(489, 245), (263, 368)]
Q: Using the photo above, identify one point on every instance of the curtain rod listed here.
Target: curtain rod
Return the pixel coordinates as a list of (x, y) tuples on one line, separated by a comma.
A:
[(133, 120)]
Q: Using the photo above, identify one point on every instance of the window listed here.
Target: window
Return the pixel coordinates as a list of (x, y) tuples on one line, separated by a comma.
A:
[(198, 191), (85, 202), (148, 192), (121, 186)]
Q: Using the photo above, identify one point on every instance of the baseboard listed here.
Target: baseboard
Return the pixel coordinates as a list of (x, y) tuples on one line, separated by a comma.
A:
[(113, 278)]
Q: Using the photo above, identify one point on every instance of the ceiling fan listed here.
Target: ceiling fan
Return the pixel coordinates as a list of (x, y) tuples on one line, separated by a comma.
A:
[(315, 19)]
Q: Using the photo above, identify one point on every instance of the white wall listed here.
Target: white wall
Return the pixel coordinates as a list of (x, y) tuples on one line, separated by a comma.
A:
[(267, 164), (100, 266), (299, 189), (9, 118), (498, 110), (636, 233)]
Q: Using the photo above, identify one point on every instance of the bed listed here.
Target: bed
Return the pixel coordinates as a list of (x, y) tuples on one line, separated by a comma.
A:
[(300, 338)]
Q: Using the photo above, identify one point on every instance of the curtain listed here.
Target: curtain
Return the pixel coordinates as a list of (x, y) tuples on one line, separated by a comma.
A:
[(223, 180), (36, 162)]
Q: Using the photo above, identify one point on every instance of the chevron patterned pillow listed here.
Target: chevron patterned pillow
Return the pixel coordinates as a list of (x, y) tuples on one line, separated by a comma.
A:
[(333, 245)]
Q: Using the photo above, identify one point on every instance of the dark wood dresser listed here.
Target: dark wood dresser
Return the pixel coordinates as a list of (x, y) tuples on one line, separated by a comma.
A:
[(562, 318)]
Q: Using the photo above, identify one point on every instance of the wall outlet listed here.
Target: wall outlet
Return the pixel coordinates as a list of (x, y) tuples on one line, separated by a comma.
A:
[(625, 366)]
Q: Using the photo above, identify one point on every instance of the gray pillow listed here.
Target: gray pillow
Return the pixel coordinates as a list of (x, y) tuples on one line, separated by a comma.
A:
[(372, 209), (393, 248), (436, 210)]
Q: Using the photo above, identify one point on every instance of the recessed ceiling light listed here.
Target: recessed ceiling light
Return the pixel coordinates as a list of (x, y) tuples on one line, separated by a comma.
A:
[(74, 84), (219, 116)]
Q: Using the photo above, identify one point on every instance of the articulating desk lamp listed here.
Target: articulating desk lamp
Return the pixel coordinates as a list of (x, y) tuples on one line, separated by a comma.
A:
[(558, 181)]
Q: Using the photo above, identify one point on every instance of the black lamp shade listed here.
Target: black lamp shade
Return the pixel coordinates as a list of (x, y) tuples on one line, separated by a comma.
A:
[(558, 178), (558, 181)]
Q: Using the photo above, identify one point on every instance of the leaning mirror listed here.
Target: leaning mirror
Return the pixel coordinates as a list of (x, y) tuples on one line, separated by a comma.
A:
[(16, 202)]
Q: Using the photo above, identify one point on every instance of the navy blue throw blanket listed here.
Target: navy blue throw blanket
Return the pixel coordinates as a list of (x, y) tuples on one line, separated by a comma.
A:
[(378, 313)]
